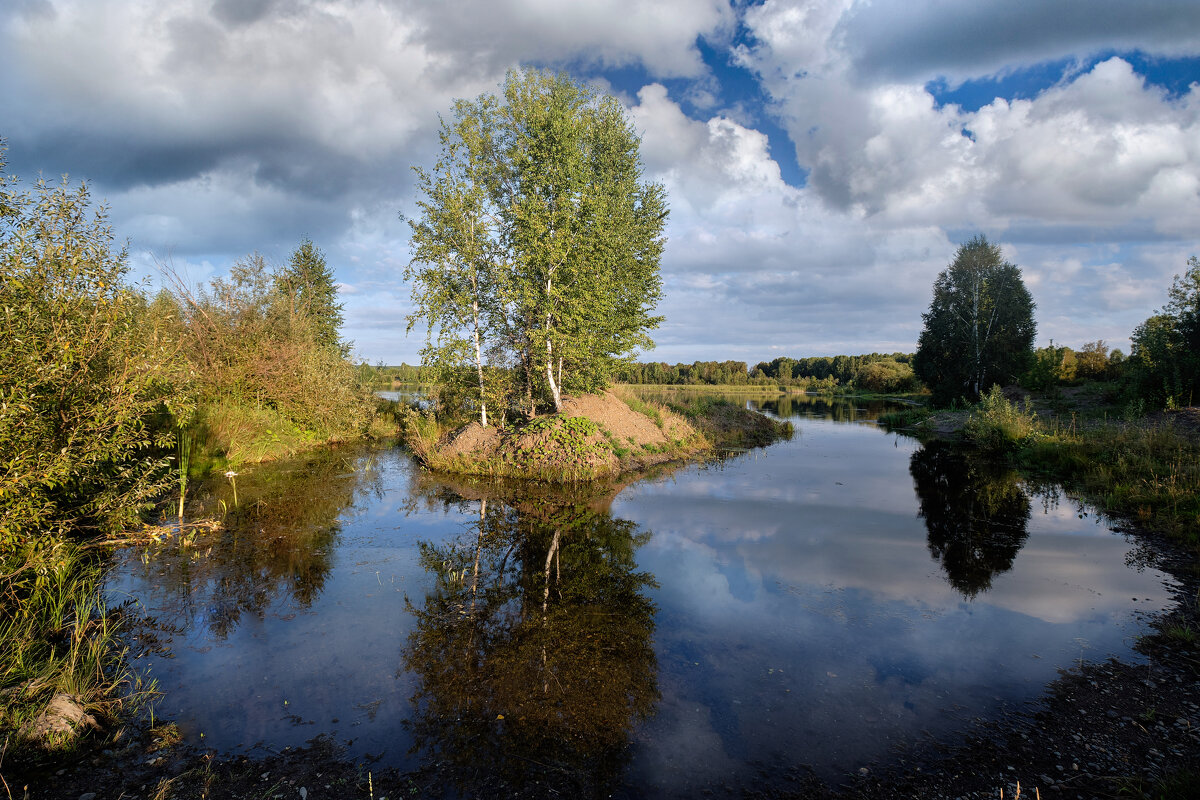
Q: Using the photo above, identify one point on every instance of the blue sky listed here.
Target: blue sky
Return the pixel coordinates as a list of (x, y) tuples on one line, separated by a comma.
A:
[(823, 159)]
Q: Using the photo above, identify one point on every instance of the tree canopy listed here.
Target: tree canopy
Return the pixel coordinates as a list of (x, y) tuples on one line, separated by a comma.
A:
[(1165, 360), (979, 329), (536, 244), (309, 283)]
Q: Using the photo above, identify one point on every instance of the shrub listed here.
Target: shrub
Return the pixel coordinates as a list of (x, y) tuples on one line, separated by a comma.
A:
[(254, 345), (998, 425), (85, 372)]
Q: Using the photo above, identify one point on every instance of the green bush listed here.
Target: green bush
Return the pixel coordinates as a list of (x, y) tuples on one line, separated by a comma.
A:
[(264, 365), (85, 372), (887, 376), (998, 425)]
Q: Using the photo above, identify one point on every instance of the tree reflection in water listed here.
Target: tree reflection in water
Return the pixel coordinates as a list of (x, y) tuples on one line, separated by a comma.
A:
[(824, 407), (277, 543), (976, 515), (533, 653)]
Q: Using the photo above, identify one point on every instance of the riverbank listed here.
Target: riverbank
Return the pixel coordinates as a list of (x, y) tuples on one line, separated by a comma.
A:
[(595, 437), (1141, 468)]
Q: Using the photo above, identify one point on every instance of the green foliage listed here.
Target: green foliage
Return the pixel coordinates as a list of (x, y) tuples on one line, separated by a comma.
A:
[(1164, 365), (1138, 468), (651, 410), (57, 637), (1055, 365), (998, 425), (308, 284), (979, 329), (269, 368), (537, 244), (1091, 362), (569, 442), (728, 424), (813, 374), (101, 389), (887, 376), (85, 371), (908, 418), (1046, 368)]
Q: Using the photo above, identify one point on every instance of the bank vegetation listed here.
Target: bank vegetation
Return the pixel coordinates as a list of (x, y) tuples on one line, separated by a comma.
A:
[(113, 399)]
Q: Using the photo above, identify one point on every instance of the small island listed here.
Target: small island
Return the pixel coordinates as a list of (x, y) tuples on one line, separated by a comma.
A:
[(594, 436)]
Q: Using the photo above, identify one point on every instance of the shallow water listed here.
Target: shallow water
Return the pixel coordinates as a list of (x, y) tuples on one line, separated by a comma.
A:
[(812, 605)]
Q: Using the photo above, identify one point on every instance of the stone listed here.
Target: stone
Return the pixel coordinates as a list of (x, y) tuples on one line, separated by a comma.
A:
[(64, 718)]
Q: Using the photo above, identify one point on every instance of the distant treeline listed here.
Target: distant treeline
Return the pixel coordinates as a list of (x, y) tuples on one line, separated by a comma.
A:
[(880, 372), (1054, 365), (382, 376)]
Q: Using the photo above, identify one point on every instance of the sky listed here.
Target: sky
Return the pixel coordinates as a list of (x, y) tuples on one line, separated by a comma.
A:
[(823, 158)]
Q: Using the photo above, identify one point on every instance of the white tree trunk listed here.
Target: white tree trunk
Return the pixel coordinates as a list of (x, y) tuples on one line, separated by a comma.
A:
[(554, 390), (479, 367)]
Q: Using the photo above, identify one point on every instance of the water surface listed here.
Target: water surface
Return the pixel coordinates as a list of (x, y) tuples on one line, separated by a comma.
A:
[(807, 606)]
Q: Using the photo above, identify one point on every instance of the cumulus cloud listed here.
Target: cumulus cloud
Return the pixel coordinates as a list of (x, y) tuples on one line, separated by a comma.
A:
[(1100, 148), (745, 245), (215, 127)]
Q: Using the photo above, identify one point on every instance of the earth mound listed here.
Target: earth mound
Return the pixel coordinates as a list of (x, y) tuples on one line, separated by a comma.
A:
[(596, 435)]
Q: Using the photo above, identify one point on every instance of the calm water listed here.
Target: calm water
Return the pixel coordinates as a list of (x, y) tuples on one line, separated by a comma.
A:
[(808, 606)]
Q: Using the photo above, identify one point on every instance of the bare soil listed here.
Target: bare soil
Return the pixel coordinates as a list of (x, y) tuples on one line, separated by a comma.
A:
[(471, 440), (625, 441)]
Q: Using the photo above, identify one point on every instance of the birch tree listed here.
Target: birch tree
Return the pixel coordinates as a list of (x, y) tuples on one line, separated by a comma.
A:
[(456, 259), (979, 329), (538, 232)]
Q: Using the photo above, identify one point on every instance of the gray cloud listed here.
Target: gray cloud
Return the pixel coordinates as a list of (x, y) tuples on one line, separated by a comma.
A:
[(899, 40), (217, 128)]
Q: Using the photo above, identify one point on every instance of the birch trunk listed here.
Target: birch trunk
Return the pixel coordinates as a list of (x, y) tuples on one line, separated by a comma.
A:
[(554, 391), (479, 366)]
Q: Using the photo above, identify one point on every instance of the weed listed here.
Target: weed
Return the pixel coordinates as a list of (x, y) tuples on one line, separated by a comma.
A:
[(907, 418), (997, 425), (58, 638), (1182, 632)]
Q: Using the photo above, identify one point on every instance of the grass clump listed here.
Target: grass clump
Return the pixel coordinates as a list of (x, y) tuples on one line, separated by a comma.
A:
[(648, 409), (59, 642), (1144, 470), (998, 425), (907, 418), (728, 424)]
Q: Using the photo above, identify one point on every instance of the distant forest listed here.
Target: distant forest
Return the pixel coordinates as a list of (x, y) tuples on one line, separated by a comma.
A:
[(880, 372), (1054, 365)]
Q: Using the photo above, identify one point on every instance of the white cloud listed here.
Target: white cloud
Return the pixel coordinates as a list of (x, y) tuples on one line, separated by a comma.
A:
[(217, 127), (1103, 148)]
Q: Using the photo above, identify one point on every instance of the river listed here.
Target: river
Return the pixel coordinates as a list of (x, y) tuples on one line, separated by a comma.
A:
[(809, 608)]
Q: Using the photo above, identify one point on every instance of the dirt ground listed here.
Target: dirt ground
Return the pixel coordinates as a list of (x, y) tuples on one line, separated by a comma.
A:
[(645, 441)]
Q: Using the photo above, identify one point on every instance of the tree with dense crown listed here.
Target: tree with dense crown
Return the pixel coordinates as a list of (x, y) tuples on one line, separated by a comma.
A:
[(1164, 363), (536, 244), (309, 283), (979, 329)]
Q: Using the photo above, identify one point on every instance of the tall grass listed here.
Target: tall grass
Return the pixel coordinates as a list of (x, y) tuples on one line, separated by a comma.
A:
[(998, 425), (59, 638), (1146, 470)]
